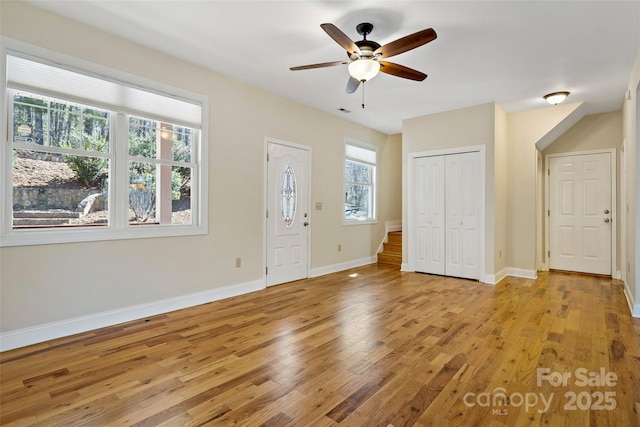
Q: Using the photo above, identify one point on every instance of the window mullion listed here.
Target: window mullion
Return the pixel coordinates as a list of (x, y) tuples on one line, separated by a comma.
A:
[(120, 169), (6, 192)]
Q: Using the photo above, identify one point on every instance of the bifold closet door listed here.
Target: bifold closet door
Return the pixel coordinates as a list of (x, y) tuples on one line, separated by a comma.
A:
[(429, 214), (446, 206), (461, 215)]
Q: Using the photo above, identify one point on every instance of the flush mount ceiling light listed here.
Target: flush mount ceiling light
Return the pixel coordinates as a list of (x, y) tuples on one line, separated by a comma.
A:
[(556, 98)]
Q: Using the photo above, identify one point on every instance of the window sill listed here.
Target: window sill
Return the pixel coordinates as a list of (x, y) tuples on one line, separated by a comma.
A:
[(40, 236), (359, 222)]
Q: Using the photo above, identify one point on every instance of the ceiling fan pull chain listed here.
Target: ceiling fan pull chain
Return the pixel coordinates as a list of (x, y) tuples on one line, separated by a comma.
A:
[(363, 82)]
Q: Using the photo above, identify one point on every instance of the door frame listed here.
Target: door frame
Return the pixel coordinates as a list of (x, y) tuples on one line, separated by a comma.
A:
[(265, 201), (614, 204), (410, 266)]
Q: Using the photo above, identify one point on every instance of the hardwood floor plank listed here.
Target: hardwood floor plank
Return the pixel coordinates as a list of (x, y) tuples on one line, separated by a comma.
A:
[(379, 349)]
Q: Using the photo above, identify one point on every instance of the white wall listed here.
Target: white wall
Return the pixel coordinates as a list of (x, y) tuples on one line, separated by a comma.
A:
[(42, 285)]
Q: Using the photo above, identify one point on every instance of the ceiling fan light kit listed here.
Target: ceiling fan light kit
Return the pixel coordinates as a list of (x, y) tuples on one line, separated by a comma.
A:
[(364, 55), (364, 69), (556, 98)]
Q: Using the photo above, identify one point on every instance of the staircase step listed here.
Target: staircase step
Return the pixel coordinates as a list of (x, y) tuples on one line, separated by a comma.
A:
[(395, 237), (392, 248), (389, 258)]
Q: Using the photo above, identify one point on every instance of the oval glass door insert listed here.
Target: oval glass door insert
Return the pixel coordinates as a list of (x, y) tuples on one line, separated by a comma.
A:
[(289, 196)]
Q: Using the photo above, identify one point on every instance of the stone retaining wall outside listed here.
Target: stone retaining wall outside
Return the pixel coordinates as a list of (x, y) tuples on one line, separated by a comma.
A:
[(38, 198)]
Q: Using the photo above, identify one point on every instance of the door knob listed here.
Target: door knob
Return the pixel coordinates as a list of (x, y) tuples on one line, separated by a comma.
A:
[(606, 211), (607, 220)]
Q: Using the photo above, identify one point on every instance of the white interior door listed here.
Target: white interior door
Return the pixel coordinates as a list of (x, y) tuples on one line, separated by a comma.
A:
[(429, 214), (446, 214), (287, 213), (462, 213), (580, 213)]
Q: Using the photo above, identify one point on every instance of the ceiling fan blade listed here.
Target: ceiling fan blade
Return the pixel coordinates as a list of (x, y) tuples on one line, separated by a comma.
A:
[(341, 38), (321, 65), (352, 85), (406, 43), (401, 71)]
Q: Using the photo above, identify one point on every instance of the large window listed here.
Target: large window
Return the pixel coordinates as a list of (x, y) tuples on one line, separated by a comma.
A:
[(359, 182), (88, 158)]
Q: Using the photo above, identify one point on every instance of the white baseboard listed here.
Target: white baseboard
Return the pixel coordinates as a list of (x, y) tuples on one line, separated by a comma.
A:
[(393, 225), (633, 307), (321, 271), (493, 279), (521, 272), (389, 226), (46, 332), (405, 267)]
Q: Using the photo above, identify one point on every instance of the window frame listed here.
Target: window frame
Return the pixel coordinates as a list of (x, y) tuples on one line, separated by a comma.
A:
[(118, 226), (374, 181)]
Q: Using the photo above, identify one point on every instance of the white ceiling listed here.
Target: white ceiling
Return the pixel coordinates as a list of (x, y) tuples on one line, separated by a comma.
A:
[(509, 52)]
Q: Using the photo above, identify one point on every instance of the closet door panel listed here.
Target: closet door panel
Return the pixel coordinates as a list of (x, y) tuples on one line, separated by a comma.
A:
[(454, 215), (429, 210), (470, 218)]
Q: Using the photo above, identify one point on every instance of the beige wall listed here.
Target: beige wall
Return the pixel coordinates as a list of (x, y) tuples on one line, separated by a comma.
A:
[(593, 132), (525, 129), (452, 129), (51, 283), (631, 136), (501, 191)]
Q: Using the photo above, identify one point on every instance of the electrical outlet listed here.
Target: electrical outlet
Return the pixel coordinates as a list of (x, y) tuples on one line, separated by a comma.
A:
[(238, 262)]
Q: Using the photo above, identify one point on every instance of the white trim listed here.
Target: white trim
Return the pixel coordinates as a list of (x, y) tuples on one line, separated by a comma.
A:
[(328, 269), (494, 279), (50, 331), (614, 212), (103, 72), (116, 230), (374, 184), (623, 212), (389, 226), (265, 201), (409, 266), (521, 272), (633, 307)]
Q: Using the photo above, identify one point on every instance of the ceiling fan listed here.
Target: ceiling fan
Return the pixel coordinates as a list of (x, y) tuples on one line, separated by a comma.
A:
[(365, 55)]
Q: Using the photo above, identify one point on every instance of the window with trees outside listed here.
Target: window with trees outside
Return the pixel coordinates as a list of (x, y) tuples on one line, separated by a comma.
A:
[(93, 159), (359, 182)]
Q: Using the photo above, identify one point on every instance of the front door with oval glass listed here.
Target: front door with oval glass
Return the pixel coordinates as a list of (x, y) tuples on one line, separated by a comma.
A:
[(287, 213)]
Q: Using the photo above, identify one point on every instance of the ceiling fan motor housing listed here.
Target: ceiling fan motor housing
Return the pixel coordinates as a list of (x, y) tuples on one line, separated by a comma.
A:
[(367, 47)]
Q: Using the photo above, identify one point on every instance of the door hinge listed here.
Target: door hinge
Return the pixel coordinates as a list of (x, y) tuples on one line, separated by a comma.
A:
[(266, 270), (548, 253), (548, 172), (548, 212), (267, 213), (267, 157)]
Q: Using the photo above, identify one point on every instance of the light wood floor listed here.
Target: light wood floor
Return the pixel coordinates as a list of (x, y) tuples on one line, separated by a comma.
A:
[(383, 348)]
